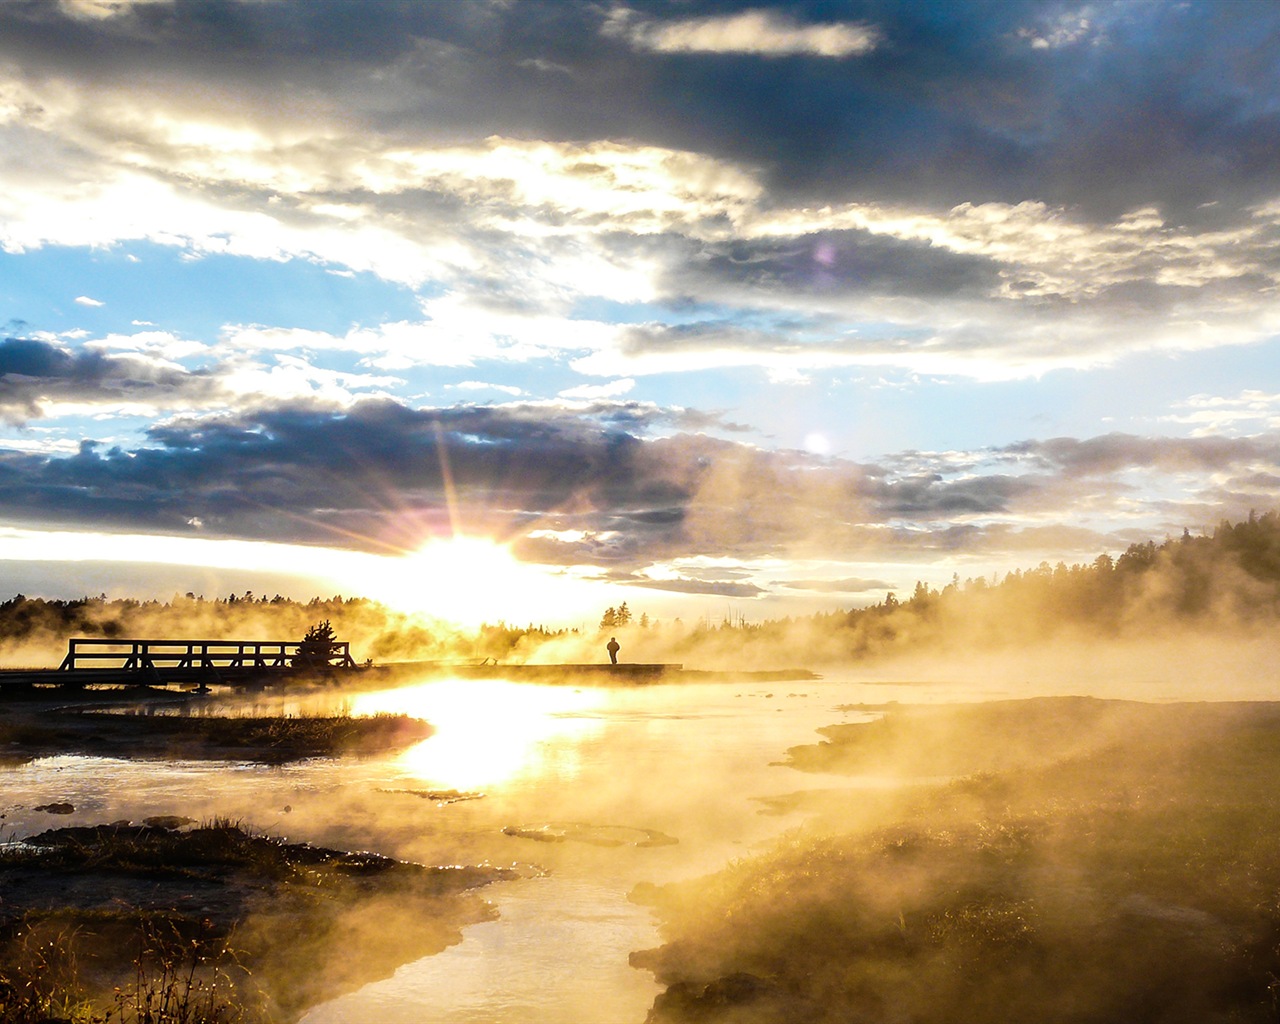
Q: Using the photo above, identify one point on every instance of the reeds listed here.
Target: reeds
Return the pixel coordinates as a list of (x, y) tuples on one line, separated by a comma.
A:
[(176, 978)]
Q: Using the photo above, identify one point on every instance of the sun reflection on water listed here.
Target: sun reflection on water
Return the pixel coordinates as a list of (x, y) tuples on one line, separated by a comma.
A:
[(488, 731)]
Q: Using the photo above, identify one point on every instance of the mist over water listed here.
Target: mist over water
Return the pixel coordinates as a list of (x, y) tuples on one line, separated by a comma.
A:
[(589, 792), (607, 778)]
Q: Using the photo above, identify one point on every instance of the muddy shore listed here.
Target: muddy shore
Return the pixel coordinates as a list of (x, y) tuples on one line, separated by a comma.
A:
[(109, 918), (260, 927), (148, 723)]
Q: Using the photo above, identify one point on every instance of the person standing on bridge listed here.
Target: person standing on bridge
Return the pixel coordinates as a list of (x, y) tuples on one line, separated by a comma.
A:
[(613, 647)]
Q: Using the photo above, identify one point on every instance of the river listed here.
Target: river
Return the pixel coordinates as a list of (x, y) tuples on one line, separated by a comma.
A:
[(589, 791)]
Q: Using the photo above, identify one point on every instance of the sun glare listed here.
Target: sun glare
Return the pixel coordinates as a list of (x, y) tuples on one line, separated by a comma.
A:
[(489, 731), (466, 580)]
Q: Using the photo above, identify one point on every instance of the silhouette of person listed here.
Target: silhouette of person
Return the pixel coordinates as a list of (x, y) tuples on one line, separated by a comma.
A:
[(613, 647)]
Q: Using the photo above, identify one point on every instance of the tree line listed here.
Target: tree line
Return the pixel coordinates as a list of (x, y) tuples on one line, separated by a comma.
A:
[(1229, 577)]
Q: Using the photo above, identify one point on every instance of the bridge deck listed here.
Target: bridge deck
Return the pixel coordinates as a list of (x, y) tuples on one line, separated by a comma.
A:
[(101, 661)]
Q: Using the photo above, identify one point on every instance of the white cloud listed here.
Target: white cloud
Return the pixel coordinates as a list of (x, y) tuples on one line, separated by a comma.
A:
[(1212, 415), (764, 33), (41, 445), (293, 378), (480, 385), (589, 391), (1065, 29), (101, 10), (159, 345), (84, 300), (457, 331)]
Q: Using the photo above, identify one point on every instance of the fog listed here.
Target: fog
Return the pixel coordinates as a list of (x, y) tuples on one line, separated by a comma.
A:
[(1046, 797), (1048, 859)]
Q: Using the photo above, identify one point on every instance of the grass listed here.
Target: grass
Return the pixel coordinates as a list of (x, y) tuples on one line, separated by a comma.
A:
[(176, 978), (1119, 865), (269, 927), (39, 979), (183, 980)]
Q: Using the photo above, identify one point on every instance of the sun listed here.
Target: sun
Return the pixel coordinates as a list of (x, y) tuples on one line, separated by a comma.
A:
[(466, 580)]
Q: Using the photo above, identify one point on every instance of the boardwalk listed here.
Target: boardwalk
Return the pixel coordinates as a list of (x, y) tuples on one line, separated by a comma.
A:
[(100, 661)]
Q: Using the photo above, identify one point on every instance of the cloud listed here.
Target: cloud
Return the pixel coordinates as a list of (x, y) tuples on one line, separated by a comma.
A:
[(621, 486), (995, 218), (850, 585), (696, 586), (137, 375), (958, 114), (457, 330), (37, 378), (1209, 415), (857, 263), (613, 389), (760, 32), (479, 385), (98, 10), (84, 300), (1115, 453), (1065, 28)]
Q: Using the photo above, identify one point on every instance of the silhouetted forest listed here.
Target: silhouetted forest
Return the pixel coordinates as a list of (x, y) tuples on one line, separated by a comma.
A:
[(1223, 580), (35, 630), (1228, 579)]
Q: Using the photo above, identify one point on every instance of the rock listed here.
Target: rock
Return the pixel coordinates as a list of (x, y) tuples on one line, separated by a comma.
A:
[(593, 835), (440, 797), (57, 808), (169, 821)]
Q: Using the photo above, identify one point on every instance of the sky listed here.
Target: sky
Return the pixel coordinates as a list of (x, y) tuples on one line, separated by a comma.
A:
[(525, 309)]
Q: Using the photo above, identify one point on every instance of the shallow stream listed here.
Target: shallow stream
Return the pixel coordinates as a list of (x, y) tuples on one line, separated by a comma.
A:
[(589, 790)]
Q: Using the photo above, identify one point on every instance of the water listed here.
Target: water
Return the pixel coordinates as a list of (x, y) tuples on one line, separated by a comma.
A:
[(589, 791)]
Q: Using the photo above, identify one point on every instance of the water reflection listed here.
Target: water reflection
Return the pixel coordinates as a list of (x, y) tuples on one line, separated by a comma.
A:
[(489, 731), (644, 765)]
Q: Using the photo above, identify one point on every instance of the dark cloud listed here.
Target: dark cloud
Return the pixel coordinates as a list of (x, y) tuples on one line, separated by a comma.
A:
[(718, 588), (384, 474), (1114, 453), (379, 474), (836, 264), (34, 372), (1171, 104), (606, 483), (933, 496)]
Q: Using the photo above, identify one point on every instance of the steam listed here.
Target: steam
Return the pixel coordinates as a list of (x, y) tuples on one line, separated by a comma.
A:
[(1191, 591), (1051, 859)]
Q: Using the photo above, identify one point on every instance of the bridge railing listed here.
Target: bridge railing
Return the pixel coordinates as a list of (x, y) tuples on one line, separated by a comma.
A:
[(140, 655)]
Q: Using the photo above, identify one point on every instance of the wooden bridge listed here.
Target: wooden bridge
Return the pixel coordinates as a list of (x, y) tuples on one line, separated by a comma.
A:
[(104, 661)]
